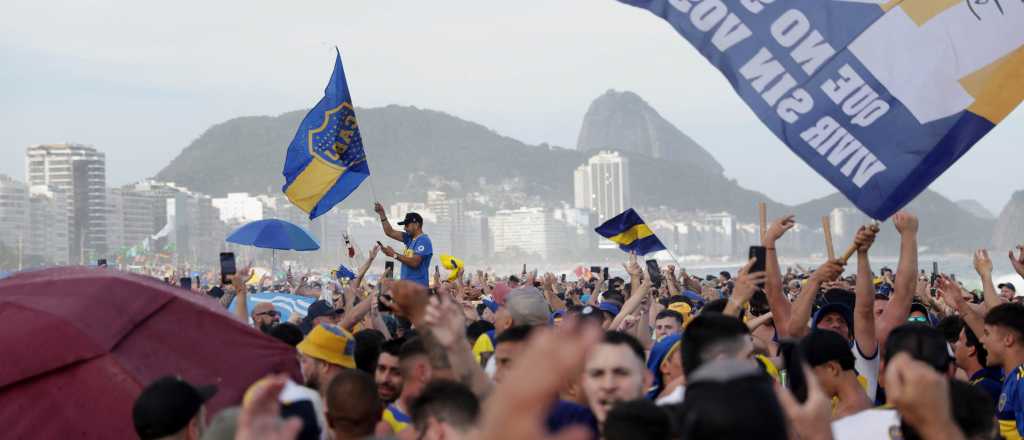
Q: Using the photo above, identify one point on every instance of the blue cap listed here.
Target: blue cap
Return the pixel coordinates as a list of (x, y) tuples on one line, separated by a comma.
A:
[(491, 305), (609, 307), (658, 354), (835, 308), (585, 298)]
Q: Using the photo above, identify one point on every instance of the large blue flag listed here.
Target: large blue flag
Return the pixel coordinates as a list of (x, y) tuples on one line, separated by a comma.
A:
[(630, 232), (878, 96), (325, 161)]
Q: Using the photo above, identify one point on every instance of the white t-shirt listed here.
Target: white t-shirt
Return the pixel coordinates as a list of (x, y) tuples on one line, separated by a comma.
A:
[(874, 424), (676, 396), (867, 368)]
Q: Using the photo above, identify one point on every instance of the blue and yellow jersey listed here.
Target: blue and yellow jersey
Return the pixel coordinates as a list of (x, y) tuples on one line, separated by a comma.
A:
[(1010, 410), (396, 419)]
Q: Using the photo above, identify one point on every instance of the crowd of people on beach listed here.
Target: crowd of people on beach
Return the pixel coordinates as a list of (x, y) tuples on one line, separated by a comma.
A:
[(837, 352)]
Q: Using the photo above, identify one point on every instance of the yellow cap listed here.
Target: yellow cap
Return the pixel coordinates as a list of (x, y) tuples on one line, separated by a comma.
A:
[(682, 308), (453, 264), (331, 344)]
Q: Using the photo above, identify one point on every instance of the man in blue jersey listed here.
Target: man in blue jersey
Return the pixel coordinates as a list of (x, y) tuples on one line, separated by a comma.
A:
[(1004, 340), (415, 259)]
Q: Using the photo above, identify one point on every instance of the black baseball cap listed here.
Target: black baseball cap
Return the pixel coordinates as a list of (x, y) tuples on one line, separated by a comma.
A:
[(411, 217), (1009, 285), (167, 405)]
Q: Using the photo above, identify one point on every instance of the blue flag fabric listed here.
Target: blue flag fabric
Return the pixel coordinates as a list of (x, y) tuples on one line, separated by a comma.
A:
[(880, 97), (630, 232), (344, 273), (284, 303), (325, 161)]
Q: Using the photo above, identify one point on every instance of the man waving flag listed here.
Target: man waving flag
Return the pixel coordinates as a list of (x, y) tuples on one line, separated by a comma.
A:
[(630, 232), (325, 161)]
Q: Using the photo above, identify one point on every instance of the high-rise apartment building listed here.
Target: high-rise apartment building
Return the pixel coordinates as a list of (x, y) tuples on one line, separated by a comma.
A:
[(48, 239), (602, 185), (79, 171), (14, 215)]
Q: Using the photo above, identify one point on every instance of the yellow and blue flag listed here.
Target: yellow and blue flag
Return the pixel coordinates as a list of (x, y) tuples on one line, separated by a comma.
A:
[(325, 161), (630, 232)]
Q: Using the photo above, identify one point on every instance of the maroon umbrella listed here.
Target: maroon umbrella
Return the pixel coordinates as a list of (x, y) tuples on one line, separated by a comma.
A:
[(77, 345)]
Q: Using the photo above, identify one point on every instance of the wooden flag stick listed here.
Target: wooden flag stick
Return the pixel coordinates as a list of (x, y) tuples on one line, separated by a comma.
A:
[(853, 246), (826, 227), (763, 211)]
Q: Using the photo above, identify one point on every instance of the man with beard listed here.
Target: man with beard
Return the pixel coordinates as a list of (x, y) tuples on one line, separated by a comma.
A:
[(388, 374), (615, 372), (264, 317), (416, 374), (324, 353)]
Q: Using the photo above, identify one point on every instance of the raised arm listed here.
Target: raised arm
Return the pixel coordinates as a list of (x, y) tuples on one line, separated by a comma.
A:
[(983, 265), (673, 282), (746, 286), (1018, 260), (898, 309), (447, 326), (388, 230), (778, 303), (356, 283), (554, 301), (238, 281), (864, 305), (801, 314), (634, 301), (953, 295)]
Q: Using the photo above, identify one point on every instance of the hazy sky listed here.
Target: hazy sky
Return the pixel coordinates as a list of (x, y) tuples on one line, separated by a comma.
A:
[(141, 80)]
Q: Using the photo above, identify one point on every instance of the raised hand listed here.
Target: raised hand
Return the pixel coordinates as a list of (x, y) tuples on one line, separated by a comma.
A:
[(747, 283), (778, 228), (951, 292), (830, 271), (921, 395), (982, 262), (865, 238), (633, 266), (1018, 260), (905, 222), (242, 276), (260, 417), (528, 395), (379, 209), (445, 320), (373, 251), (389, 251)]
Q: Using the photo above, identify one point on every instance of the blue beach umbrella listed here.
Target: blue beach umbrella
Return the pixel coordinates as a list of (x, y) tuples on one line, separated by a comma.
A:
[(274, 234)]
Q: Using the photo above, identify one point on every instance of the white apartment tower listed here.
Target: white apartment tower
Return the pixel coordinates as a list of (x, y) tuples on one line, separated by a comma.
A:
[(79, 171), (602, 185)]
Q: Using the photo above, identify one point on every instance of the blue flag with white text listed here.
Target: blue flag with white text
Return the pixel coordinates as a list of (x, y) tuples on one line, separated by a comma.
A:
[(880, 97), (325, 161)]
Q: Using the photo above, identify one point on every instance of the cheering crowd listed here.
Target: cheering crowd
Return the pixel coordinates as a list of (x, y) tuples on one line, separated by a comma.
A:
[(838, 352)]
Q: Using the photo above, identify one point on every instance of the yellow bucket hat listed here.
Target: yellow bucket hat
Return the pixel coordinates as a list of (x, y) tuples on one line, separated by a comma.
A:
[(331, 344)]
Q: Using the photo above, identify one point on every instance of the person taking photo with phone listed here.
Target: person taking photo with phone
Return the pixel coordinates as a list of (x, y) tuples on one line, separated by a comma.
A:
[(415, 259)]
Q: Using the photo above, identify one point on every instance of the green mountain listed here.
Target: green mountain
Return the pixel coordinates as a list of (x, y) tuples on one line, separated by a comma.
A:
[(412, 150)]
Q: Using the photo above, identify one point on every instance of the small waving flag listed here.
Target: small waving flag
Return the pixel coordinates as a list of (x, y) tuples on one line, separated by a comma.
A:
[(630, 232)]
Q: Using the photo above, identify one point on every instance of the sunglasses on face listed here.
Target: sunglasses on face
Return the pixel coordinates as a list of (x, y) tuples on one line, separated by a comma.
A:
[(917, 319)]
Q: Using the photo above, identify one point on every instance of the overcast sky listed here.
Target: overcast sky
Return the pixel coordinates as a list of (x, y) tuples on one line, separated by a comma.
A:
[(140, 80)]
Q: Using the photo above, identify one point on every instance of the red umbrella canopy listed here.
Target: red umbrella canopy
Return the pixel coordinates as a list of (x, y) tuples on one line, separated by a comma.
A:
[(77, 345)]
